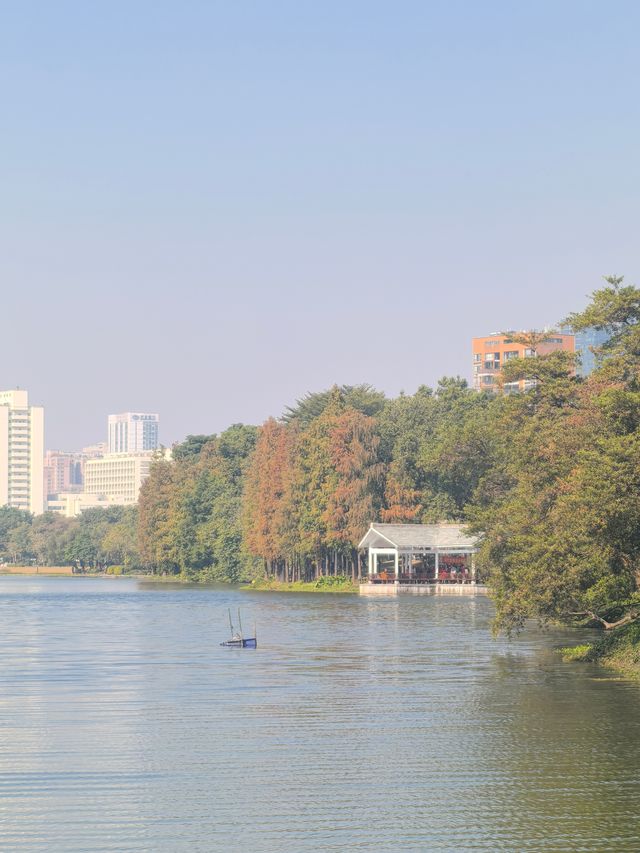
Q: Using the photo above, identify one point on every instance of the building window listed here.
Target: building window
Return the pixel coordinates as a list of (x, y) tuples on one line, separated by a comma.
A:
[(511, 353)]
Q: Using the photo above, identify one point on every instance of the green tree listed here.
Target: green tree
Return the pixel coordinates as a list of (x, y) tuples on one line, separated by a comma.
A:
[(210, 509), (10, 519), (119, 544), (561, 509), (363, 398), (190, 447), (50, 535), (18, 545), (157, 520)]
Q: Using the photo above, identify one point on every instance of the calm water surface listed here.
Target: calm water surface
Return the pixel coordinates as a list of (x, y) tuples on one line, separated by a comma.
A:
[(358, 725)]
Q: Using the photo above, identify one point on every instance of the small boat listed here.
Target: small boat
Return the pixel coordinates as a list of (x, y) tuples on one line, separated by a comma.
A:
[(237, 641)]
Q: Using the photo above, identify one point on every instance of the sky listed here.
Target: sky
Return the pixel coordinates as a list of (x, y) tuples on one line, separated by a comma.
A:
[(208, 209)]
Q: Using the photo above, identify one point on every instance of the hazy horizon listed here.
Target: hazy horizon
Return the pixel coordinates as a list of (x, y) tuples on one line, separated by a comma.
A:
[(210, 210)]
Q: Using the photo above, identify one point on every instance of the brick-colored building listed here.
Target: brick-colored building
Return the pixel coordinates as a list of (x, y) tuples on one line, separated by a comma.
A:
[(492, 351)]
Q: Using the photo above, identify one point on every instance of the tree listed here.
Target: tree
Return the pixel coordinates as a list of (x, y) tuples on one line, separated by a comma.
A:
[(363, 398), (264, 493), (615, 309), (120, 542), (190, 509), (190, 447), (156, 518), (10, 519), (18, 544), (561, 529), (436, 451), (50, 535), (210, 509), (532, 340), (356, 495)]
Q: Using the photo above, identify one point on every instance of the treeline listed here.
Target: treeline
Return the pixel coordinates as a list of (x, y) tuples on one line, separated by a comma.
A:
[(549, 477), (96, 540), (292, 498)]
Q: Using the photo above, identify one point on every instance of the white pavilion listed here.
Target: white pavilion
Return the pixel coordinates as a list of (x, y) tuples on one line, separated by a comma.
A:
[(419, 553)]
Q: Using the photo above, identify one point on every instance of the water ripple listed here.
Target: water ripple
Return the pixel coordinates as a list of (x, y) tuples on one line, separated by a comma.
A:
[(358, 725)]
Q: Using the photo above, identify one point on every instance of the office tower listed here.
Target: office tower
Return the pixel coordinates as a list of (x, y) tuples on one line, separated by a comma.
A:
[(21, 452), (133, 432)]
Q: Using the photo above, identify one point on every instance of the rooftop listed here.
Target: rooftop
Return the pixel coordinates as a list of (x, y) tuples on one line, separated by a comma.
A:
[(429, 536)]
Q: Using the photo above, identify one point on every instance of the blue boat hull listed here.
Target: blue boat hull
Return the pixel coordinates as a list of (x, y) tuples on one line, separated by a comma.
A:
[(249, 643)]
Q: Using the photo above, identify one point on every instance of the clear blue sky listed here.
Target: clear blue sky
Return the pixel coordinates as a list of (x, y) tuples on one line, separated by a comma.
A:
[(209, 208)]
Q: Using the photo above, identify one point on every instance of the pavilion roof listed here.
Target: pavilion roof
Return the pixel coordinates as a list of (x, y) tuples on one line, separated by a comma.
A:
[(429, 536)]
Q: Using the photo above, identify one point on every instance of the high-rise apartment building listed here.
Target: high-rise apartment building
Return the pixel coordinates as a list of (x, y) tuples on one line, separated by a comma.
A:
[(492, 351), (21, 452), (133, 432)]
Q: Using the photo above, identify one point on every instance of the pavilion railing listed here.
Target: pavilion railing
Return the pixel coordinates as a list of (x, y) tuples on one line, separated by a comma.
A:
[(444, 577)]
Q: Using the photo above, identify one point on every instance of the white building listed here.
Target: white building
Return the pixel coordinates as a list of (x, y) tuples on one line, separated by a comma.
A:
[(71, 504), (117, 477), (94, 450), (419, 553), (133, 432), (21, 452)]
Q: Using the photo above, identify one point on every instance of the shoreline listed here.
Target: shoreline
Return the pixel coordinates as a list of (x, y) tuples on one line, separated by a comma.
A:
[(619, 651), (324, 586)]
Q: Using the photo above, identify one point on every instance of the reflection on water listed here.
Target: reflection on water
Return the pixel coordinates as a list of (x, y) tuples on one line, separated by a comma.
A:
[(364, 725)]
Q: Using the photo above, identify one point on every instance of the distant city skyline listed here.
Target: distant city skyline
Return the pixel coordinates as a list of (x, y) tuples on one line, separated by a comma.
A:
[(210, 214)]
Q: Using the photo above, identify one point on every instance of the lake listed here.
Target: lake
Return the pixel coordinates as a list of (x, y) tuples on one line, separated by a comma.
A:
[(357, 725)]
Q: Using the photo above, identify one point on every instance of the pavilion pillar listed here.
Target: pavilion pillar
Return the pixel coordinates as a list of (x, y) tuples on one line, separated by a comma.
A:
[(473, 568), (369, 563), (435, 554), (397, 565)]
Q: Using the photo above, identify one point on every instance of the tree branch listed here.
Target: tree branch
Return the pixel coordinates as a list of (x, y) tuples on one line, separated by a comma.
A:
[(631, 616)]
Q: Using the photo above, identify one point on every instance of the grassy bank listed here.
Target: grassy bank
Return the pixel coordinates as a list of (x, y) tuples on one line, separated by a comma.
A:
[(619, 650), (327, 584)]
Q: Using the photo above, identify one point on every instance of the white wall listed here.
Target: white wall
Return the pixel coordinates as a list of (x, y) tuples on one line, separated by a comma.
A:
[(4, 455), (36, 461)]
